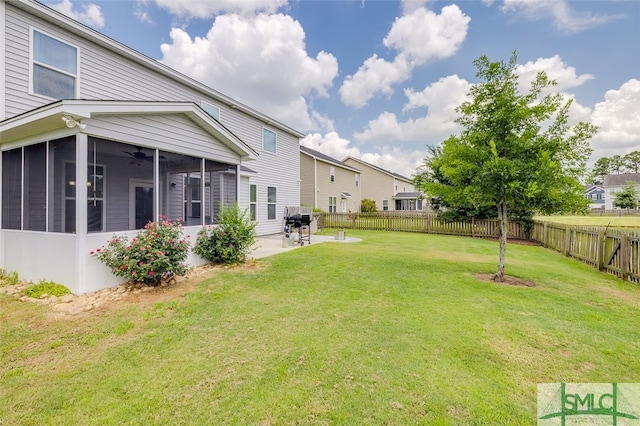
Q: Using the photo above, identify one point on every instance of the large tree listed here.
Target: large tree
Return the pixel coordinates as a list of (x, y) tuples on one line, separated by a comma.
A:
[(516, 151), (627, 197)]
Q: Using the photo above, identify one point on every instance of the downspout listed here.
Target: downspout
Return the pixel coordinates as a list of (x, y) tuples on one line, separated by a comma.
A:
[(315, 182)]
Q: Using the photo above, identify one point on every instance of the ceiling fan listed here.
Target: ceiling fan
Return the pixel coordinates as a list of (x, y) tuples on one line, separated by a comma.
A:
[(138, 156)]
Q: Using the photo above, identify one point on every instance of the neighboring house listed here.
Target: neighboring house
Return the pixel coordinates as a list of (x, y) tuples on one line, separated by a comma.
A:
[(97, 139), (595, 195), (327, 183), (389, 190), (613, 183)]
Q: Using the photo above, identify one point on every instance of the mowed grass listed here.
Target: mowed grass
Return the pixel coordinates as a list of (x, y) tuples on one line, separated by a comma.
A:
[(611, 221), (394, 330)]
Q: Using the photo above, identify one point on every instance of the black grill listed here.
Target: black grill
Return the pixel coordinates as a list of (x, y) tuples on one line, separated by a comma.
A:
[(299, 222)]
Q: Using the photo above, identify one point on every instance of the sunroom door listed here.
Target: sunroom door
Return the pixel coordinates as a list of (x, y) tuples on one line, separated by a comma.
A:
[(140, 202)]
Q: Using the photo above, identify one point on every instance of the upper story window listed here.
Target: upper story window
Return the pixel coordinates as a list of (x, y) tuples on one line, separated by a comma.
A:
[(332, 174), (211, 109), (268, 140), (357, 180), (54, 67)]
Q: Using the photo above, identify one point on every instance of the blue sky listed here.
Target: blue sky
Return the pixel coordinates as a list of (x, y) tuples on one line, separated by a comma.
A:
[(380, 80)]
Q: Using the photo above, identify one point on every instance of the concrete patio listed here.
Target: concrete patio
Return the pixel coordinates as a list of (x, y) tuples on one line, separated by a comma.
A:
[(268, 245)]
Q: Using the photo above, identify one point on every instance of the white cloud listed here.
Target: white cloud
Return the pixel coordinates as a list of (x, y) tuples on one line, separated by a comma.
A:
[(563, 16), (440, 99), (91, 15), (418, 37), (394, 159), (260, 61), (207, 8), (555, 68), (618, 118)]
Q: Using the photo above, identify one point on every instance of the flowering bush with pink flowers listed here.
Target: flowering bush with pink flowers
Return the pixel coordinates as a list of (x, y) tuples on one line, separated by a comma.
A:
[(157, 253)]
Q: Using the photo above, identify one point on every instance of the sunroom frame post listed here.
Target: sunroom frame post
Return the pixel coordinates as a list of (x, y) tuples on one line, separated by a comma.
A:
[(82, 152)]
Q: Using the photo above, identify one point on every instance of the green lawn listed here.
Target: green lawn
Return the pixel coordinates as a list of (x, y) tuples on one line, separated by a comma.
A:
[(395, 330)]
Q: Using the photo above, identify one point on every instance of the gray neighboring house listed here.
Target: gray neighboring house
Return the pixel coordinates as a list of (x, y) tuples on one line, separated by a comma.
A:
[(613, 183), (98, 139), (327, 183), (389, 190), (595, 195)]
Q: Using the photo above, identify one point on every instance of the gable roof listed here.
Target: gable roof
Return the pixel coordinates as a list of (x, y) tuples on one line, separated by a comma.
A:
[(49, 117), (322, 157), (621, 179), (381, 170), (46, 13)]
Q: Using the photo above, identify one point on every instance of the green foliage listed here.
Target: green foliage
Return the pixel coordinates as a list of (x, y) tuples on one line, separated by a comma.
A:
[(229, 241), (503, 158), (44, 287), (155, 254), (9, 278), (627, 197), (368, 206)]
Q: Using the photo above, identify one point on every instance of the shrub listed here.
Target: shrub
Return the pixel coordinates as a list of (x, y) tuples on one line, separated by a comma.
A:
[(230, 240), (368, 206), (46, 287), (8, 278), (155, 254)]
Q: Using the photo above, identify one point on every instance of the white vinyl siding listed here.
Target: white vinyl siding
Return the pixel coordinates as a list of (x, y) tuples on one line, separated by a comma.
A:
[(54, 67), (113, 75)]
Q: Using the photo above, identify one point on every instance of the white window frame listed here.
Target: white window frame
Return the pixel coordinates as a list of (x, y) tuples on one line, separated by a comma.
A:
[(275, 138), (385, 205), (209, 108), (32, 62), (253, 202), (65, 197), (357, 180), (272, 203), (332, 174), (333, 204)]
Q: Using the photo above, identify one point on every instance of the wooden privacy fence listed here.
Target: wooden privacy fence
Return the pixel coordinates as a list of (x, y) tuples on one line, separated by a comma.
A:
[(408, 221), (611, 250)]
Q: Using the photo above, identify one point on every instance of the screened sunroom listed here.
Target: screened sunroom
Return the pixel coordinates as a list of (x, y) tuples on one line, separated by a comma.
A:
[(93, 169)]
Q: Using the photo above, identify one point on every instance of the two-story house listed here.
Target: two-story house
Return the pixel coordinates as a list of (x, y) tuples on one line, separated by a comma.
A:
[(327, 183), (98, 139), (616, 182), (389, 190), (595, 195)]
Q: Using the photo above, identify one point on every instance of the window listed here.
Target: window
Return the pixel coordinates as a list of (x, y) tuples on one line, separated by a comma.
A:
[(253, 199), (271, 202), (332, 174), (54, 67), (268, 140), (212, 110), (192, 198), (333, 201), (385, 204), (357, 180), (95, 197)]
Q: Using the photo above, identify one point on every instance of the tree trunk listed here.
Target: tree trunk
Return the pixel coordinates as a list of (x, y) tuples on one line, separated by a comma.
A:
[(502, 215)]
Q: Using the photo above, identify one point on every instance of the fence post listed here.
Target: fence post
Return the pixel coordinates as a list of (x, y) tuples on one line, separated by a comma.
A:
[(624, 255), (600, 249), (567, 240)]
